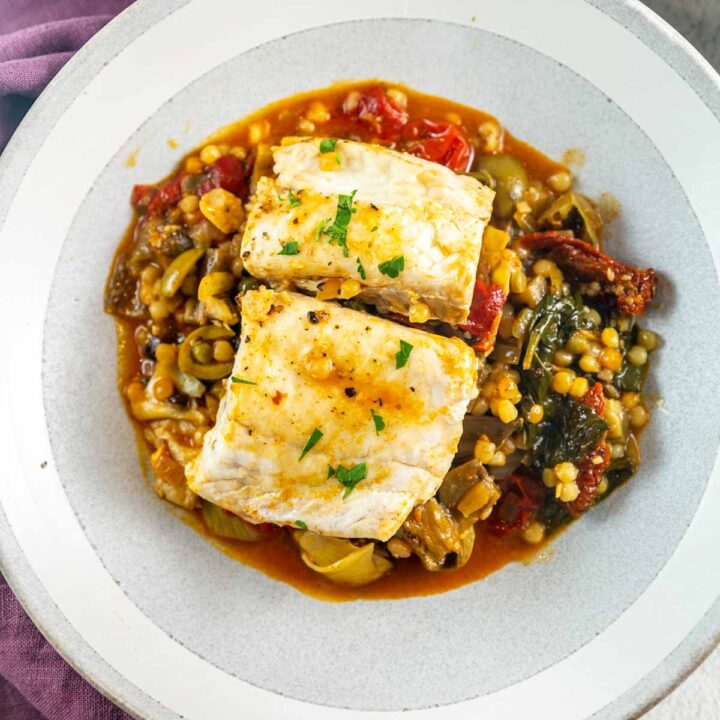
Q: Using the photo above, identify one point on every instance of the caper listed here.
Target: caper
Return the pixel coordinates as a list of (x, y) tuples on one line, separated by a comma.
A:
[(202, 352), (248, 283)]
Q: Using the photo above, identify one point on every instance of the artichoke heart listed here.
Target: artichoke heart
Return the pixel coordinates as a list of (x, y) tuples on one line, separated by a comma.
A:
[(340, 561)]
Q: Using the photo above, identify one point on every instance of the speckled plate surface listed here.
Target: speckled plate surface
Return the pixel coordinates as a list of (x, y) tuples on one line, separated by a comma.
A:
[(155, 616)]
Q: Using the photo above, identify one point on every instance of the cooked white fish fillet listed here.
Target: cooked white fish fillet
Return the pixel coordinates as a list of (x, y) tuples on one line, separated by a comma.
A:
[(402, 207), (317, 367)]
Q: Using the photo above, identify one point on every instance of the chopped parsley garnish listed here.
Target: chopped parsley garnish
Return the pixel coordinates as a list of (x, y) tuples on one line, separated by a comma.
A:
[(374, 228), (331, 471), (392, 268), (350, 477), (311, 443), (321, 227), (242, 381), (338, 230), (301, 524), (361, 269), (290, 248), (379, 422), (293, 199), (402, 356), (328, 145)]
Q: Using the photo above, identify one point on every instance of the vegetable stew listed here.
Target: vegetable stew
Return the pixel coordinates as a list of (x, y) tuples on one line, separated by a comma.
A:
[(561, 359)]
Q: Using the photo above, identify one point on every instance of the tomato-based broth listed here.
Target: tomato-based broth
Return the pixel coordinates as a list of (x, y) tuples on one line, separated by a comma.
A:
[(278, 557), (585, 372)]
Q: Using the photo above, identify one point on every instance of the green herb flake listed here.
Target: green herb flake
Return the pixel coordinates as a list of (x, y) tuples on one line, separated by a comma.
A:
[(350, 477), (328, 145), (293, 199), (311, 443), (338, 157), (403, 355), (374, 228), (338, 230), (379, 422), (331, 471), (301, 524), (290, 248), (361, 269), (321, 228), (242, 381), (392, 268)]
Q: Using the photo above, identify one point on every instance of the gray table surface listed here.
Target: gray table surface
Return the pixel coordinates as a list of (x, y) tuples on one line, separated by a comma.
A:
[(698, 698)]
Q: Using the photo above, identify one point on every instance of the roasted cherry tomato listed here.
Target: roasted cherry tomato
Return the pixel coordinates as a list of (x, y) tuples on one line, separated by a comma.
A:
[(376, 109), (441, 142)]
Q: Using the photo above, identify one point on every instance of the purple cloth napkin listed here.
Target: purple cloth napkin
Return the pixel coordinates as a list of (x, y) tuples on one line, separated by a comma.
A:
[(37, 37), (35, 682)]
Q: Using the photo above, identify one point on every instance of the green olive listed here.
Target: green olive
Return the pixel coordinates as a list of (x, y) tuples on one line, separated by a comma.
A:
[(178, 270), (218, 308), (511, 181), (211, 370), (484, 177)]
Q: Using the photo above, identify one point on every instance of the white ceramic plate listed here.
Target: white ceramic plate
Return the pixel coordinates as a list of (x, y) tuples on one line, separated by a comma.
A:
[(152, 614)]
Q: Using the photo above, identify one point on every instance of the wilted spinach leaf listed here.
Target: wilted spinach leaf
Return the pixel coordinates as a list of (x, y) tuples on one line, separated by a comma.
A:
[(568, 431), (555, 319), (630, 377), (553, 515), (620, 470)]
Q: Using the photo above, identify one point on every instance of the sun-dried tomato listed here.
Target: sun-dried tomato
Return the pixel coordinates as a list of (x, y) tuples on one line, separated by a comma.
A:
[(522, 496), (589, 477), (592, 467), (594, 398), (484, 316), (630, 289)]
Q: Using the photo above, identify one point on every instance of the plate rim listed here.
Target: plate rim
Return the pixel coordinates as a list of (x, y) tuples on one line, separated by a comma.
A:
[(18, 156)]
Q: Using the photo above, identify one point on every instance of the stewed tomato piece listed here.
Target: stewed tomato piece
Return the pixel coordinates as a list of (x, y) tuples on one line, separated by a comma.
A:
[(376, 109)]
